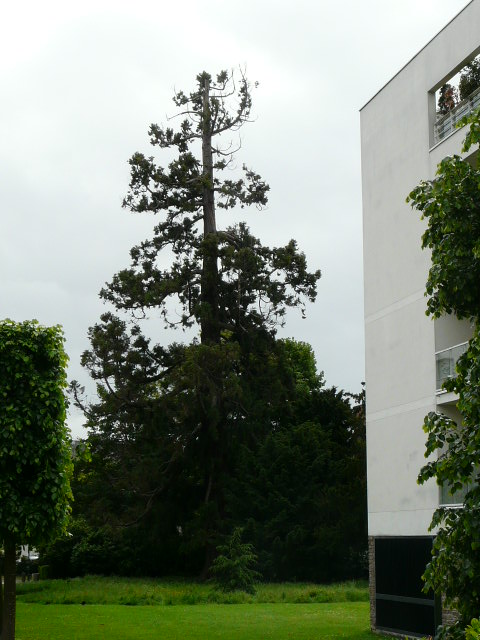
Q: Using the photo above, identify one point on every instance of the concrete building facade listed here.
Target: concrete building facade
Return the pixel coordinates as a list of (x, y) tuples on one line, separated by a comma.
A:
[(407, 353)]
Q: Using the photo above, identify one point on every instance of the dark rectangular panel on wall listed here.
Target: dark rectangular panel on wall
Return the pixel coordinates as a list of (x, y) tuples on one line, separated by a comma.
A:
[(401, 604), (405, 617)]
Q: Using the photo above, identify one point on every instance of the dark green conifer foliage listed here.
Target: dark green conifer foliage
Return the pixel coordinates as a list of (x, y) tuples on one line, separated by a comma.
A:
[(233, 567), (300, 491)]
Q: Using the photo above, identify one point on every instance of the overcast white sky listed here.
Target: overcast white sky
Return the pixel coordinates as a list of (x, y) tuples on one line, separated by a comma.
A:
[(81, 82)]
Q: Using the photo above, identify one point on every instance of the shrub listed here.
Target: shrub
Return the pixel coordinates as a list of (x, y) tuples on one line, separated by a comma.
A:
[(94, 554), (84, 550), (26, 565), (43, 571)]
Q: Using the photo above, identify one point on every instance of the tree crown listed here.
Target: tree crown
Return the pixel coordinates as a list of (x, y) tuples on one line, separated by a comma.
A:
[(35, 450)]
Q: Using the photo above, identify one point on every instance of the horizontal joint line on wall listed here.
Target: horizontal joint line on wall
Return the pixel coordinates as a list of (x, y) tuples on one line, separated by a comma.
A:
[(422, 601), (400, 633)]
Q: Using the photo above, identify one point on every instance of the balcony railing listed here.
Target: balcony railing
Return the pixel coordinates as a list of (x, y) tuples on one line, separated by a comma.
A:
[(446, 361), (445, 125), (455, 499)]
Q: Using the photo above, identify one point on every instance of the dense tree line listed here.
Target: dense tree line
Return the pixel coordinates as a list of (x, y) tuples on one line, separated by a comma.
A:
[(296, 486), (189, 442)]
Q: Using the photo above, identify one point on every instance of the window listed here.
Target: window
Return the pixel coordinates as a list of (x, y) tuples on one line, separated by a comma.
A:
[(456, 98)]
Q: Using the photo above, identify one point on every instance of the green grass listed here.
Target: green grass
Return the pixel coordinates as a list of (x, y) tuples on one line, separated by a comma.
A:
[(131, 591), (209, 622)]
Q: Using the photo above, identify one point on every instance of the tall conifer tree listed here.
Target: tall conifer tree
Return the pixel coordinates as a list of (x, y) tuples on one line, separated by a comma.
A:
[(162, 407)]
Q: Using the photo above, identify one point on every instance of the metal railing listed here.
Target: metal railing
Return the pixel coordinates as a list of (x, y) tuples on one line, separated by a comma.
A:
[(445, 125), (455, 498), (446, 359)]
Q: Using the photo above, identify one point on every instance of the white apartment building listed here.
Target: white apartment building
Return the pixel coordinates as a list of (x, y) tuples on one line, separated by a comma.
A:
[(407, 353)]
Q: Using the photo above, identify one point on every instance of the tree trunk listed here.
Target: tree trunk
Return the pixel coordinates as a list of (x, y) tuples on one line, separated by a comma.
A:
[(1, 597), (209, 547), (210, 333), (209, 322), (9, 595), (208, 560)]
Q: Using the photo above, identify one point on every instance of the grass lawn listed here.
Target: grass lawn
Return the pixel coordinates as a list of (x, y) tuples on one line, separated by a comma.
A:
[(185, 622), (144, 591), (96, 611)]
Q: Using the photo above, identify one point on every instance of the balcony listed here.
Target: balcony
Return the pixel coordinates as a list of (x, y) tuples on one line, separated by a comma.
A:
[(446, 124), (446, 361), (453, 499)]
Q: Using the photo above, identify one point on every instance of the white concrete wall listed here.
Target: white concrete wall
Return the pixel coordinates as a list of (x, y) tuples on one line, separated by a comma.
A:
[(449, 331), (397, 136)]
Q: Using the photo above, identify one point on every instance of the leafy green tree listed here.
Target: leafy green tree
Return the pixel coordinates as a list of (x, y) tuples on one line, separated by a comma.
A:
[(473, 630), (162, 410), (469, 78), (35, 451), (450, 204)]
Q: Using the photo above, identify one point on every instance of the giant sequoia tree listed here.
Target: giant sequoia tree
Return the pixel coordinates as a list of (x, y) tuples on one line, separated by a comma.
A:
[(168, 418)]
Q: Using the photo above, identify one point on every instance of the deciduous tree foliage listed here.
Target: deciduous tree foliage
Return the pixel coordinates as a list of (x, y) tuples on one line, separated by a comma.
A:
[(35, 451), (469, 78), (451, 207), (447, 99), (164, 409)]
